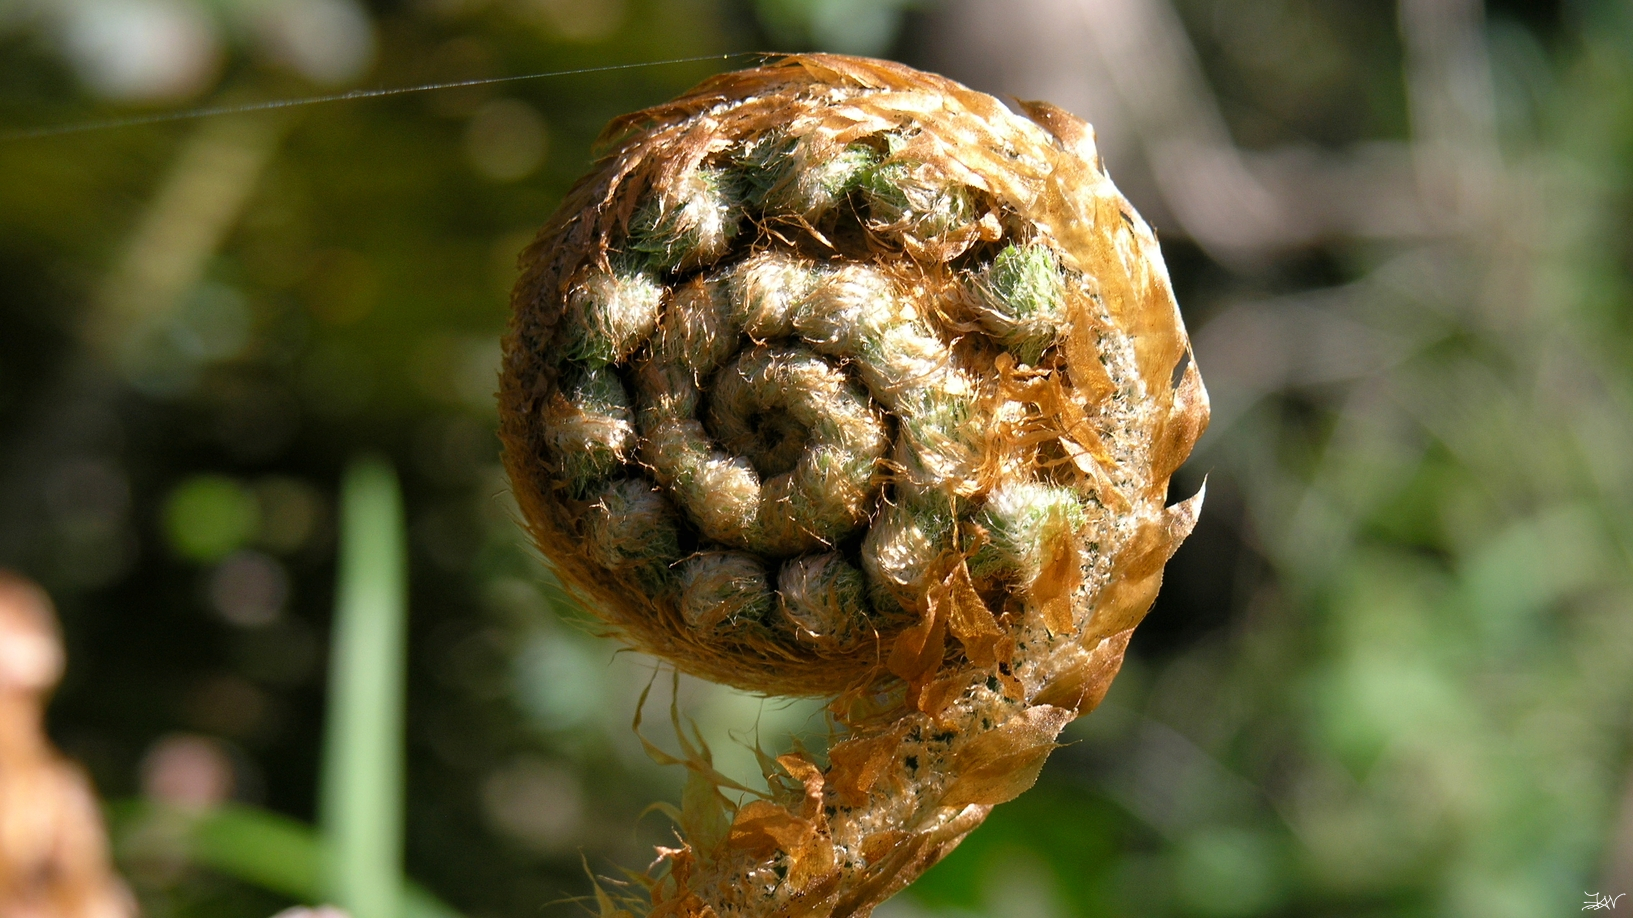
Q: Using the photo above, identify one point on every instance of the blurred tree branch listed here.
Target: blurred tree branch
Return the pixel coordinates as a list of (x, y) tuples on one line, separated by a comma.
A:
[(53, 850), (190, 215)]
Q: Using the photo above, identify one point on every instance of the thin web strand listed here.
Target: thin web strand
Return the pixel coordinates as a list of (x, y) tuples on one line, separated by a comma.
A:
[(348, 96)]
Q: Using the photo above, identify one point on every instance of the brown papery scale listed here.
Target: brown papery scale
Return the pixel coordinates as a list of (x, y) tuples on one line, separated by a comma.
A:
[(839, 379)]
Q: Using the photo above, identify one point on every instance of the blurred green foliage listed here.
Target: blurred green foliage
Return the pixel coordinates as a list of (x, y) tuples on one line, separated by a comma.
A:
[(1389, 675), (273, 852), (206, 517)]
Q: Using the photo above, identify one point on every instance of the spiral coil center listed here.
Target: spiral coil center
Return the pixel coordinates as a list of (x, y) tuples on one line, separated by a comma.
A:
[(826, 494)]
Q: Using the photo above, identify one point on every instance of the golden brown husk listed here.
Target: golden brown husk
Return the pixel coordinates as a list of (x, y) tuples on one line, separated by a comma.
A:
[(1103, 413)]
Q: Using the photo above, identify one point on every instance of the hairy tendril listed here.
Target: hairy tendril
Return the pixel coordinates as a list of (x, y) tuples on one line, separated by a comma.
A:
[(839, 379)]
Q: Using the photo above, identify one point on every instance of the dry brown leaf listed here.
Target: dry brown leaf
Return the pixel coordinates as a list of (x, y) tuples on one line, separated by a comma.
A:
[(811, 870), (1081, 688), (857, 764), (969, 619), (1057, 581), (940, 693), (800, 767), (918, 650), (880, 843), (1187, 419), (1134, 589), (1123, 605), (999, 765), (912, 856), (812, 898), (762, 827), (673, 896), (704, 812)]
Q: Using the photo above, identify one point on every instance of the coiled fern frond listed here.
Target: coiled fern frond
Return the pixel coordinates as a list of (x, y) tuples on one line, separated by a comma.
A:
[(835, 378)]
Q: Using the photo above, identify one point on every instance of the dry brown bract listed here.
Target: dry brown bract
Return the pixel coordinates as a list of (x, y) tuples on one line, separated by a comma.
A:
[(836, 378)]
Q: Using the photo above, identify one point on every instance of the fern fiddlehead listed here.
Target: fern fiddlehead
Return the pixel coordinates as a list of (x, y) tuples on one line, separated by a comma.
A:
[(836, 378)]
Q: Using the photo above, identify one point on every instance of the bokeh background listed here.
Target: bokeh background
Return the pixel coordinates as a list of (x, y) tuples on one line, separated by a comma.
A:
[(1390, 674)]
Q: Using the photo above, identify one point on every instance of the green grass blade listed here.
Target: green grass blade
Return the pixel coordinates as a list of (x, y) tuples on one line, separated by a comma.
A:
[(361, 797), (264, 849)]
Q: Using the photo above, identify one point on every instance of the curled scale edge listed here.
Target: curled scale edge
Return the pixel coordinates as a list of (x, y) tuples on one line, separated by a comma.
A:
[(977, 492)]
